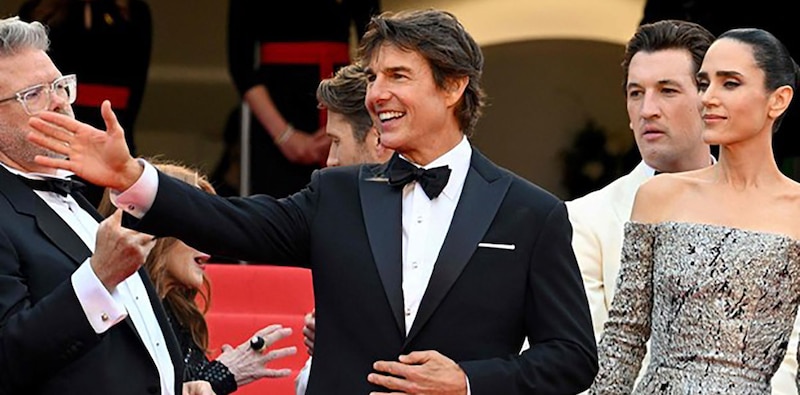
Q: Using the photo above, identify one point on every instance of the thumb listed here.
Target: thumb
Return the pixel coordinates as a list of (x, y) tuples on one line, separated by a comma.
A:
[(113, 128), (116, 218)]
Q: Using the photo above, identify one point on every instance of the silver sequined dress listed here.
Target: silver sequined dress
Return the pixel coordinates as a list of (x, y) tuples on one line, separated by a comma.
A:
[(717, 304)]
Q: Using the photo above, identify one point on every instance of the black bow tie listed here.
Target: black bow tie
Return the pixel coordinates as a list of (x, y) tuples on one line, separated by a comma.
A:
[(60, 186), (432, 181)]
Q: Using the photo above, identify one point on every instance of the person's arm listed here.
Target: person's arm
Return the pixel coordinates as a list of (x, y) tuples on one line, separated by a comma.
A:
[(243, 39), (624, 342), (81, 308), (589, 255)]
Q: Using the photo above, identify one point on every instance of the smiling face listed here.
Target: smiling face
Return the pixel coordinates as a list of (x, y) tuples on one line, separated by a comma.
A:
[(736, 102), (417, 117), (664, 110), (19, 71)]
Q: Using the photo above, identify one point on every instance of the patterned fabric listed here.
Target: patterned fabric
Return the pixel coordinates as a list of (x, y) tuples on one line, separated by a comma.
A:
[(717, 304), (197, 364)]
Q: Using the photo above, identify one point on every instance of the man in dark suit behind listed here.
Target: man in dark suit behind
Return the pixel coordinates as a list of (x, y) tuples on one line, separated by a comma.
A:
[(77, 316), (417, 290)]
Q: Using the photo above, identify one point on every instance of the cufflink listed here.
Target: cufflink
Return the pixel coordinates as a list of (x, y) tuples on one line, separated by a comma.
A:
[(104, 317)]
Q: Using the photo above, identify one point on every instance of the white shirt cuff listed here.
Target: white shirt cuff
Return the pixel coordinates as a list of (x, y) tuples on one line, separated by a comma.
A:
[(100, 306), (138, 199)]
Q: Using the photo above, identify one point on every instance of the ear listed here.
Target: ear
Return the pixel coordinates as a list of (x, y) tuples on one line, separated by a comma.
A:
[(454, 89), (779, 101)]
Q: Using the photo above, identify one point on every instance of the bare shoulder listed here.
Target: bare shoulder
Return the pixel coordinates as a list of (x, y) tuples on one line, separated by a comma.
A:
[(658, 196)]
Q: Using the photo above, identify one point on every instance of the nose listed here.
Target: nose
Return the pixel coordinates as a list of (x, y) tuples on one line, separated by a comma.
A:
[(57, 102), (333, 159), (650, 107), (377, 92), (707, 96)]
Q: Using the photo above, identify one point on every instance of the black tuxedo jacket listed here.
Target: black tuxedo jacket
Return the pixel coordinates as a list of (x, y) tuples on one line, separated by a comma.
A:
[(480, 302), (47, 346)]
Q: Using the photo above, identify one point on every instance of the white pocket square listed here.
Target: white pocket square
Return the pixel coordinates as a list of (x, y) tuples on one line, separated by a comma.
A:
[(509, 247)]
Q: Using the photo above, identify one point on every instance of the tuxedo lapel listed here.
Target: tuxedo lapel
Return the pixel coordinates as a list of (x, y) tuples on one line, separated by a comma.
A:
[(26, 202), (381, 207), (484, 190)]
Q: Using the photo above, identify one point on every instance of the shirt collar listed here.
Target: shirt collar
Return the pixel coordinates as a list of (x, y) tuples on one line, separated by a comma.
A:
[(458, 159), (62, 174)]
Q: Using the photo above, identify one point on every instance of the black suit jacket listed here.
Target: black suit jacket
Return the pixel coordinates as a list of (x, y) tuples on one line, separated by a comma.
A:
[(47, 345), (480, 302)]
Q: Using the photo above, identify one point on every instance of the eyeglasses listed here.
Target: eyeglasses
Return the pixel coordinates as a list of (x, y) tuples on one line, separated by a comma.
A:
[(36, 99)]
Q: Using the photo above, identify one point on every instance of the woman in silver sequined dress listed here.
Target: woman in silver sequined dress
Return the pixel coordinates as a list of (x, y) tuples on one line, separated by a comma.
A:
[(711, 261)]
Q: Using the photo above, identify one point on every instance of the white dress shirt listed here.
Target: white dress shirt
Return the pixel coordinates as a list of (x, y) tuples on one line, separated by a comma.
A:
[(425, 225), (103, 309)]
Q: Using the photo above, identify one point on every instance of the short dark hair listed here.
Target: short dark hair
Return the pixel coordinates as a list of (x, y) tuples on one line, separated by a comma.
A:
[(344, 94), (668, 34), (771, 57), (444, 43)]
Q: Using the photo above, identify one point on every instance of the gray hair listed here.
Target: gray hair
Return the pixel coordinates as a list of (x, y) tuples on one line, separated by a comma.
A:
[(17, 35)]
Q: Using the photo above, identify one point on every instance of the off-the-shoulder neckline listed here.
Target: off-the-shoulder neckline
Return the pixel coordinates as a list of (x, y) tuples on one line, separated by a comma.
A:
[(716, 226)]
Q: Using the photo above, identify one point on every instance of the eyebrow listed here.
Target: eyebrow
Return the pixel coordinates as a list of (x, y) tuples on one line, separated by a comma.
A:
[(665, 81), (395, 69), (721, 73)]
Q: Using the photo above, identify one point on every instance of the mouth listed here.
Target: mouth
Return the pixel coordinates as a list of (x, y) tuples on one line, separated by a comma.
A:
[(201, 261), (652, 133), (388, 116), (713, 117)]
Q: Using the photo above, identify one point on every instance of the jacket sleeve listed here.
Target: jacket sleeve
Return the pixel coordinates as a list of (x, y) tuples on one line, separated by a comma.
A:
[(39, 340)]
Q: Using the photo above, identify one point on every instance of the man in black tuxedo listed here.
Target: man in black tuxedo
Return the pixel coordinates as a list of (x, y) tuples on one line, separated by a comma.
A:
[(418, 289), (77, 315)]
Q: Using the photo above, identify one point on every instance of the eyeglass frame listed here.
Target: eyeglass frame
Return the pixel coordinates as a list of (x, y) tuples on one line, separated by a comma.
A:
[(20, 94)]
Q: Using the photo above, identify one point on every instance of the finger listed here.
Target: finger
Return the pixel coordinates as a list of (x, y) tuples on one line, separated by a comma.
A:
[(49, 143), (110, 118), (51, 131), (115, 219), (226, 348), (265, 331), (309, 333), (391, 367), (274, 373), (417, 357), (70, 124), (277, 335), (280, 353), (54, 163), (392, 383)]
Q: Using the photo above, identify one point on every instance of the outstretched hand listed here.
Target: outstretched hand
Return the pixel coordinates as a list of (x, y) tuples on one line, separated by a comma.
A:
[(100, 157), (248, 365)]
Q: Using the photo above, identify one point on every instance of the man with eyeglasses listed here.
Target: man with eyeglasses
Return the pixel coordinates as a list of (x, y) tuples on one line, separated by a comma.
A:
[(78, 315)]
